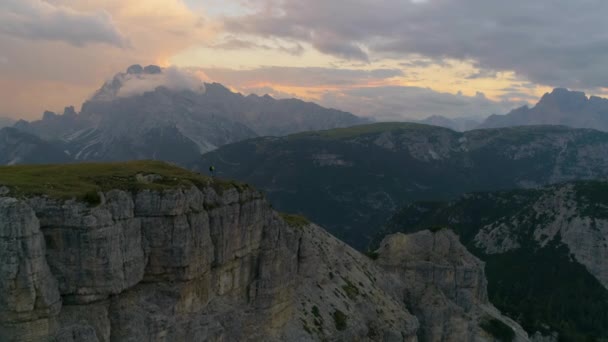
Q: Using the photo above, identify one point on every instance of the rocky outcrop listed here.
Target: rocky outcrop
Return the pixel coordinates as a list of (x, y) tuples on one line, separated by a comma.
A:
[(144, 267), (191, 264), (344, 296), (545, 252), (30, 297), (444, 285)]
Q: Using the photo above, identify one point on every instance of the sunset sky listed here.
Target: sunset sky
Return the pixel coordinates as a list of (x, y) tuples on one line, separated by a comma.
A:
[(389, 59)]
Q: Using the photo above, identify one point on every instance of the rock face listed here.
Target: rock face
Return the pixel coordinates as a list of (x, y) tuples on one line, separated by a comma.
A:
[(444, 284), (30, 296), (191, 264), (545, 251), (342, 295), (156, 265)]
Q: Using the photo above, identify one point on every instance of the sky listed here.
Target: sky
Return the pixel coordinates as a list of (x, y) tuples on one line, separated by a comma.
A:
[(386, 59)]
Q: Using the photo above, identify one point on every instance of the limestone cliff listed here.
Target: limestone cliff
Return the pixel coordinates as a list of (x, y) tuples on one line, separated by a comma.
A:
[(444, 285), (210, 264), (545, 252)]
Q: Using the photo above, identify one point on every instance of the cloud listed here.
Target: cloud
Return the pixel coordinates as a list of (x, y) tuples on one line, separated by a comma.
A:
[(482, 74), (50, 74), (423, 63), (551, 42), (39, 20), (333, 44), (234, 43), (363, 92), (395, 103), (172, 78), (277, 94), (300, 76), (518, 95)]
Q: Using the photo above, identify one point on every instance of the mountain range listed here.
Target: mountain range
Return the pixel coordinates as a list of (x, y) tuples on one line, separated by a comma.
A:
[(175, 253), (165, 114), (350, 180), (153, 113), (560, 107)]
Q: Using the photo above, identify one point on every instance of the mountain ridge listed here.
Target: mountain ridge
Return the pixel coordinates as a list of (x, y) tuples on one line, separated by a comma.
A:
[(167, 253), (132, 107), (560, 107), (363, 173)]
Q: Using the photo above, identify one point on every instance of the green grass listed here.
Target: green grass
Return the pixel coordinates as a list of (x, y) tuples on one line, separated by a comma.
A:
[(84, 181), (296, 221)]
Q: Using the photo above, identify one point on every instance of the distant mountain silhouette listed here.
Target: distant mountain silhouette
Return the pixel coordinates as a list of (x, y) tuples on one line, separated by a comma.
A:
[(560, 107), (459, 124)]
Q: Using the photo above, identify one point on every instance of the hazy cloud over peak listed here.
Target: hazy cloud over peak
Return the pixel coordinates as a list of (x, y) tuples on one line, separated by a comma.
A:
[(171, 78), (138, 80), (40, 20)]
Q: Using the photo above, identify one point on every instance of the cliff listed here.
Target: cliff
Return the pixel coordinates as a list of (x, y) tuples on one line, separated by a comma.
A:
[(445, 286), (198, 260), (545, 251)]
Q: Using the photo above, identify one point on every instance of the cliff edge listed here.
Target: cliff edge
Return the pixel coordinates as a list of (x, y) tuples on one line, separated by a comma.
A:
[(145, 251)]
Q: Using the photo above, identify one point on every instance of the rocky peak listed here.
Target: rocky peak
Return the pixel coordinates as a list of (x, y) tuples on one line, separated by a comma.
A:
[(152, 70), (69, 111), (135, 69), (560, 107), (111, 88), (564, 100), (217, 90), (445, 286), (48, 115)]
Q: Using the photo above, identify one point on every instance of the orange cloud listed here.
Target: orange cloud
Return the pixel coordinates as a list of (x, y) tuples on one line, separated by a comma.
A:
[(154, 29)]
